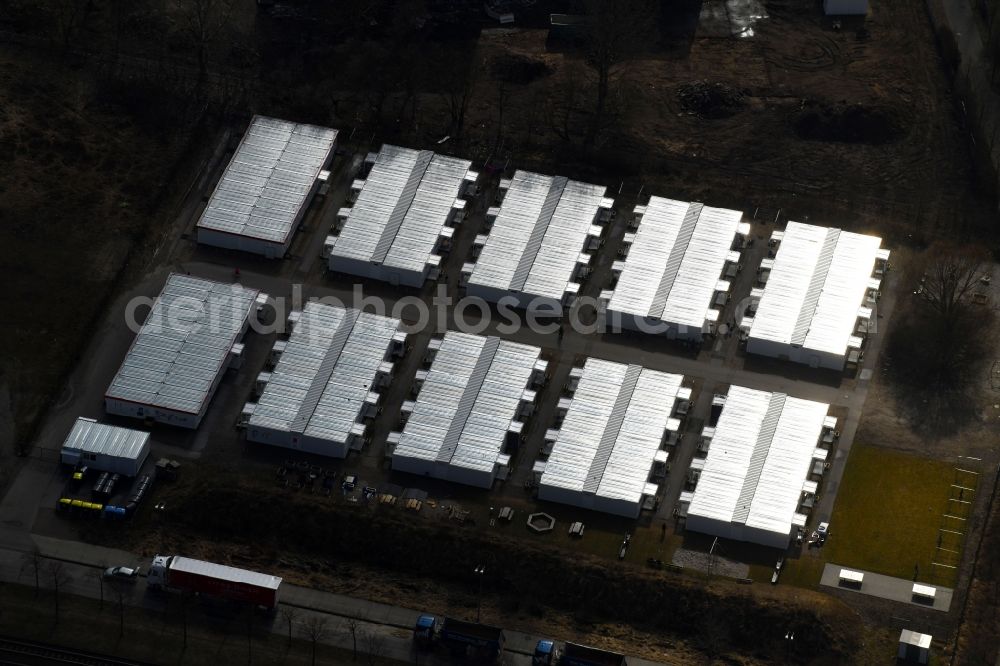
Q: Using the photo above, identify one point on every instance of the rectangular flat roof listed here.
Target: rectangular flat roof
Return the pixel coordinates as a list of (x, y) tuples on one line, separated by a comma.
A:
[(268, 179), (538, 234), (760, 454), (224, 572), (327, 369), (184, 343), (817, 283), (89, 436), (402, 207), (675, 262), (468, 400), (612, 430)]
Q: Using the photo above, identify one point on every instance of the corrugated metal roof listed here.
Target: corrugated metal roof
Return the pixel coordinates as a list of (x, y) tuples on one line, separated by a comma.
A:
[(760, 454), (183, 344), (675, 261), (223, 572), (269, 179), (400, 211), (90, 436), (816, 285), (612, 430), (327, 369), (468, 401), (538, 235)]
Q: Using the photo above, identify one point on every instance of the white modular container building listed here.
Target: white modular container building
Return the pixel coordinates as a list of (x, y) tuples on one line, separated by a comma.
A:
[(613, 429), (403, 217), (325, 382), (469, 410), (190, 338), (757, 469), (819, 295), (105, 447), (535, 251), (673, 281), (267, 187)]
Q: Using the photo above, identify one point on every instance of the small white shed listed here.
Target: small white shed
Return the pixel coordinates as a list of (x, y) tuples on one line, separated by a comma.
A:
[(845, 7), (105, 447), (913, 647)]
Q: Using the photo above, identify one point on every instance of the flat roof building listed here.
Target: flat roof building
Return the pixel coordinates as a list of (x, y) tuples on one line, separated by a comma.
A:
[(403, 216), (325, 381), (105, 447), (675, 278), (267, 187), (192, 335), (756, 474), (818, 294), (535, 251), (469, 411), (611, 433)]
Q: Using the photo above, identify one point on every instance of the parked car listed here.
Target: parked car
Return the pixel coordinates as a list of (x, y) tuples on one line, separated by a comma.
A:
[(126, 574)]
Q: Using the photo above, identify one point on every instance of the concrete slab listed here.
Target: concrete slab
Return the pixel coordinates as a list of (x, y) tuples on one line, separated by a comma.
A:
[(887, 587)]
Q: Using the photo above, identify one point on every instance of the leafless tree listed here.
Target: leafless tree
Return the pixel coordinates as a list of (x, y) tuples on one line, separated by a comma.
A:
[(32, 562), (204, 21), (288, 614), (352, 624), (315, 630), (68, 16), (374, 644), (117, 589), (99, 575), (60, 578), (951, 275), (615, 31)]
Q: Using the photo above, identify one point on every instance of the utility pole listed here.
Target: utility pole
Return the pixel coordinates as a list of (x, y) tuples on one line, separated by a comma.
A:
[(479, 571)]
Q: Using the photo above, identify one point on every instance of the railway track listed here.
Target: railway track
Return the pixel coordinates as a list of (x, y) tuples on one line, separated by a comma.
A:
[(28, 653)]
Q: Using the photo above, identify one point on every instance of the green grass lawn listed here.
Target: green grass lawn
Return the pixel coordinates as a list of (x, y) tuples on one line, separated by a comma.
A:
[(888, 513)]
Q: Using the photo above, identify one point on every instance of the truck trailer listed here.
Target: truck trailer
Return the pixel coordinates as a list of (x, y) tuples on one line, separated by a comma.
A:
[(479, 643), (184, 574), (548, 653)]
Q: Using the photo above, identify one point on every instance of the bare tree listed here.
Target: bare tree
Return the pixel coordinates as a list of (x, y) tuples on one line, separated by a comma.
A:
[(204, 21), (615, 31), (352, 624), (60, 578), (374, 644), (32, 562), (315, 630), (117, 589), (99, 575), (288, 614), (68, 16), (951, 274)]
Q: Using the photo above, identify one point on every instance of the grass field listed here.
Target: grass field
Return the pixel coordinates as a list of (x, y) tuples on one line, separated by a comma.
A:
[(889, 512)]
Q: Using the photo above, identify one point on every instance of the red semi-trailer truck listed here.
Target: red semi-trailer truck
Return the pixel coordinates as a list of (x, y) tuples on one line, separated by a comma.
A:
[(214, 580)]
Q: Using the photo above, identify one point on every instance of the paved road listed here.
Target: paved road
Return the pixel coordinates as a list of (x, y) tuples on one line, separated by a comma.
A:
[(392, 624), (886, 587)]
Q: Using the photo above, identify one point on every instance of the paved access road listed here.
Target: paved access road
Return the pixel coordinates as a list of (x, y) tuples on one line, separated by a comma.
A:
[(392, 624)]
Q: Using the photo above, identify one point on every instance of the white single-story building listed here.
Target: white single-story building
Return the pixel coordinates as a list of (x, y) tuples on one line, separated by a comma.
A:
[(756, 473), (106, 448), (675, 279), (819, 294), (469, 411), (612, 430), (535, 253), (325, 382), (267, 187), (914, 647), (404, 214), (191, 337)]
